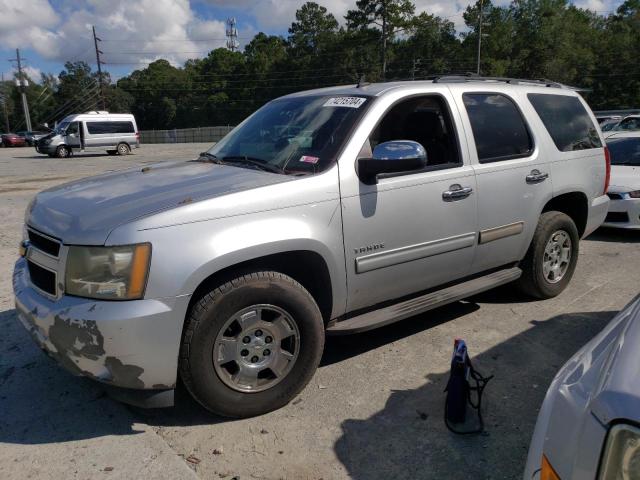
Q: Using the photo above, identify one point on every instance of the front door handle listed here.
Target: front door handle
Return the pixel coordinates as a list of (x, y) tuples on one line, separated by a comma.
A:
[(456, 192), (536, 176)]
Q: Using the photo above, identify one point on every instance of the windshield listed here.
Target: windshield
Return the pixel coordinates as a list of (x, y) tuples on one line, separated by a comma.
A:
[(625, 151), (293, 135), (62, 127)]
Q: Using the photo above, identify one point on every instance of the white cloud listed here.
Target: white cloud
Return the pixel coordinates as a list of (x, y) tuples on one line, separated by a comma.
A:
[(133, 31)]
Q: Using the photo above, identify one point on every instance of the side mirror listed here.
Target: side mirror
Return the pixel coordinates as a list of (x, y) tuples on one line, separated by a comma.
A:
[(392, 157)]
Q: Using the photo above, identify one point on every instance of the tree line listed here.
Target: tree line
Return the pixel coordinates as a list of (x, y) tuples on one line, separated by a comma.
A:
[(379, 40)]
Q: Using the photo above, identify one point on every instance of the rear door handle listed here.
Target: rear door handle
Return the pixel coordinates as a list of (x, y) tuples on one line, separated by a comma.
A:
[(536, 176), (456, 192)]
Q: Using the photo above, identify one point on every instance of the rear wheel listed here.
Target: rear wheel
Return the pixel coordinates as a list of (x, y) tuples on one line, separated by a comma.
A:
[(250, 345), (63, 151), (123, 149), (551, 259)]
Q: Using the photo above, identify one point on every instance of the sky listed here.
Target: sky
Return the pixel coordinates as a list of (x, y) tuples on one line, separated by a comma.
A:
[(136, 32)]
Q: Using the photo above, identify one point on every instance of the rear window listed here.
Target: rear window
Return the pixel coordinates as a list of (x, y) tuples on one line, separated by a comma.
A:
[(498, 128), (624, 151), (110, 127), (567, 121)]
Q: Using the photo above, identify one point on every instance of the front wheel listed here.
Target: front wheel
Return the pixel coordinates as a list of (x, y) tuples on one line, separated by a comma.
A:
[(551, 259), (250, 345), (63, 151)]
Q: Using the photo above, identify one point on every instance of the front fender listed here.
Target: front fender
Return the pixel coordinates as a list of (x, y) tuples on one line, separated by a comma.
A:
[(183, 256)]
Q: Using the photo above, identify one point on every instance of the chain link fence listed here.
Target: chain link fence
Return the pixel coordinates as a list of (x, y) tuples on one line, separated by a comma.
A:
[(185, 135)]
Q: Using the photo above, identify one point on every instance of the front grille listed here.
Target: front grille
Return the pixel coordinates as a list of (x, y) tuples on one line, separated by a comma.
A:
[(45, 244), (617, 217), (42, 278), (615, 196)]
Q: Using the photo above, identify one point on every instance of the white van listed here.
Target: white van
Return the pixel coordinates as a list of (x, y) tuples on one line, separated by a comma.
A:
[(117, 133)]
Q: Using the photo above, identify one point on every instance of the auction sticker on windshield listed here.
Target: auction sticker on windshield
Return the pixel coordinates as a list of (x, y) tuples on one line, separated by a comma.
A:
[(350, 102)]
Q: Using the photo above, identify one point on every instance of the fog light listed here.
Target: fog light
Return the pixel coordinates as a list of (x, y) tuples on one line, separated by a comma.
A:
[(22, 248)]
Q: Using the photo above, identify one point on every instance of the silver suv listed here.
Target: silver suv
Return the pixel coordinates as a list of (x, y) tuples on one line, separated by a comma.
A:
[(330, 211)]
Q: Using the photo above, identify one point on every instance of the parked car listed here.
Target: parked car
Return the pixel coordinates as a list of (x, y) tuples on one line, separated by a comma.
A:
[(117, 133), (607, 118), (32, 137), (630, 123), (329, 211), (589, 423), (13, 140), (624, 190), (609, 124)]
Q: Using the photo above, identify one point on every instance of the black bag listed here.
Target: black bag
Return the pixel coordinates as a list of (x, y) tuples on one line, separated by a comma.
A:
[(459, 390)]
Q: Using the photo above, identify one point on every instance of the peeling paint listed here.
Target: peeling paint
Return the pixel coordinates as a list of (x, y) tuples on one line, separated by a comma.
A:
[(121, 374), (80, 337)]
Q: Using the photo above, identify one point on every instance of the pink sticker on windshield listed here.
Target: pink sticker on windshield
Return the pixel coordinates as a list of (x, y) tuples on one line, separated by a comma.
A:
[(309, 159)]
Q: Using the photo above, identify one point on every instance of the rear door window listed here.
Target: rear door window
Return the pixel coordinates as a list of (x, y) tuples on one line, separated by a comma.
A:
[(499, 129), (566, 120)]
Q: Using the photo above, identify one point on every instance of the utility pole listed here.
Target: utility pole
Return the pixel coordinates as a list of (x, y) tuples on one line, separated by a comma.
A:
[(480, 33), (232, 34), (4, 106), (22, 84), (384, 40), (99, 62)]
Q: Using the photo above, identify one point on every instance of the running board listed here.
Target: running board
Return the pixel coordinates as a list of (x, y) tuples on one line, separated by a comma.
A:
[(424, 303)]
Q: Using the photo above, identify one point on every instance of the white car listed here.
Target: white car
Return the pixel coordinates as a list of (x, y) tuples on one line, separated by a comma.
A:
[(628, 124), (588, 427), (624, 189)]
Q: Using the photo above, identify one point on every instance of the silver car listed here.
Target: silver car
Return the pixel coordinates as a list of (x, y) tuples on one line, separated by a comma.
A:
[(624, 191), (331, 211), (589, 424)]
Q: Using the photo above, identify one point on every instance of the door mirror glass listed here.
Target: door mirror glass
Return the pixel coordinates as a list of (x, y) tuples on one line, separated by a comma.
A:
[(396, 156)]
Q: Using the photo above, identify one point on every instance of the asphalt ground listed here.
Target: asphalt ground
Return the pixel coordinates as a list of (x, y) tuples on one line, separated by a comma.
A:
[(374, 409)]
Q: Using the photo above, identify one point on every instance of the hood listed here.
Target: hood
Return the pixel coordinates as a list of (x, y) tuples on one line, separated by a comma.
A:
[(86, 211), (624, 178), (618, 393)]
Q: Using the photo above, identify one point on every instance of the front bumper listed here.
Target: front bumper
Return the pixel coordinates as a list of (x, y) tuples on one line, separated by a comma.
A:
[(42, 148), (128, 344), (624, 213)]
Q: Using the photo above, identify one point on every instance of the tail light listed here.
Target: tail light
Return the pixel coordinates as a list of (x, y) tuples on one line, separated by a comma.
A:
[(607, 176), (138, 138)]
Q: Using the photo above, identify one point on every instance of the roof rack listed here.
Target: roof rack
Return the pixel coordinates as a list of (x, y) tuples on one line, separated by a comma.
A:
[(513, 81)]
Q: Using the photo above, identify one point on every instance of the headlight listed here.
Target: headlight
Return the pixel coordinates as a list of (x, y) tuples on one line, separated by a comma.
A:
[(110, 273), (621, 460), (547, 472), (634, 194)]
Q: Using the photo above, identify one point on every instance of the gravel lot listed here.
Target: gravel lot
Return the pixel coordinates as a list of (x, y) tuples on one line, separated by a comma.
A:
[(373, 411)]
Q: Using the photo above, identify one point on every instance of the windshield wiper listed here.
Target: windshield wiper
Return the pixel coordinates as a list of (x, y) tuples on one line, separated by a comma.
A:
[(255, 162)]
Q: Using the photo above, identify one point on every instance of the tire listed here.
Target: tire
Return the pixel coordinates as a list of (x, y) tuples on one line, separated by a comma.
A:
[(63, 151), (546, 271), (123, 149), (112, 152), (212, 317)]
